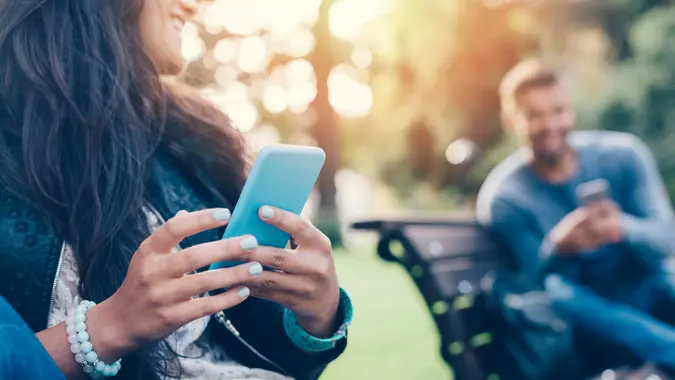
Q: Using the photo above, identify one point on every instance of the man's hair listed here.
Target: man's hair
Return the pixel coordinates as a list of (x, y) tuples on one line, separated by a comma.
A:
[(524, 76)]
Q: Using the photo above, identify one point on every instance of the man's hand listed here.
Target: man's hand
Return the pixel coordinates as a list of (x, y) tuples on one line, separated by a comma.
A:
[(572, 234), (587, 228), (605, 222)]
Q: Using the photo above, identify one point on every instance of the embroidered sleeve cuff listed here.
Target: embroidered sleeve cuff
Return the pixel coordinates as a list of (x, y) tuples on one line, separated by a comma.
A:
[(306, 342)]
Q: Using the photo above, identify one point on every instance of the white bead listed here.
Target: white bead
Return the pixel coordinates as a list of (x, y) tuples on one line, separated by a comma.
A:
[(90, 304), (72, 338), (75, 348), (70, 329), (79, 357), (80, 308), (113, 371), (70, 319), (80, 317), (107, 371), (82, 336), (86, 347), (100, 366), (118, 364), (80, 326), (88, 368)]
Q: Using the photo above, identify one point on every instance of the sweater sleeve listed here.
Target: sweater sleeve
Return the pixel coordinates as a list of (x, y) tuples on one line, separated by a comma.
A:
[(533, 252), (648, 225)]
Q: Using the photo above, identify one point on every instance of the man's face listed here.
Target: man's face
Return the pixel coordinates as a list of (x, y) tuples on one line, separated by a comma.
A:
[(542, 118)]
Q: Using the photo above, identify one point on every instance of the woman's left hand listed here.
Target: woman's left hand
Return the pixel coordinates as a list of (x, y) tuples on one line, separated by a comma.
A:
[(306, 282)]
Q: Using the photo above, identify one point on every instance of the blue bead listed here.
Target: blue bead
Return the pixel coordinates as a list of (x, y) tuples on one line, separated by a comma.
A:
[(100, 366), (80, 326), (113, 371), (91, 356), (82, 336), (79, 357), (86, 347), (107, 371)]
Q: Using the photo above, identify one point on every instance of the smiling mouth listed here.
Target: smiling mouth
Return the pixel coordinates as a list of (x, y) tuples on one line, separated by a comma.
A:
[(178, 23)]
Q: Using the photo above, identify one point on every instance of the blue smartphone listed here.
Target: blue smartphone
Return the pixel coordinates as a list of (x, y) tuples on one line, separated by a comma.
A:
[(282, 176)]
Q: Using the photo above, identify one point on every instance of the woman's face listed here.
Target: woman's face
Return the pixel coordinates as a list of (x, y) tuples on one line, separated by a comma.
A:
[(161, 25)]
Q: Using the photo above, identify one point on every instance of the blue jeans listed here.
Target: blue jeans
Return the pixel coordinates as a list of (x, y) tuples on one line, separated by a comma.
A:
[(21, 354), (640, 322)]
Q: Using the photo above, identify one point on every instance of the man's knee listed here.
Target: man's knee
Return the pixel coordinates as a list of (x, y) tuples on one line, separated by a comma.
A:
[(558, 289)]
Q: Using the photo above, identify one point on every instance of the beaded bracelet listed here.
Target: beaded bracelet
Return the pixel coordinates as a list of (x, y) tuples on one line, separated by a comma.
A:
[(78, 337)]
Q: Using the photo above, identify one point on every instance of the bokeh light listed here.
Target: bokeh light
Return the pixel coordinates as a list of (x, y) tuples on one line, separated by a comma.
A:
[(258, 31), (253, 55), (348, 17), (193, 46), (349, 96)]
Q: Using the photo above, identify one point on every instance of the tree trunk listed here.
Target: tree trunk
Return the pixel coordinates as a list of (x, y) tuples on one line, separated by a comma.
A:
[(326, 129)]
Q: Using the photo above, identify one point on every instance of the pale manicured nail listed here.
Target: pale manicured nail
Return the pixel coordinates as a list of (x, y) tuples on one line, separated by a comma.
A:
[(248, 243), (181, 212), (244, 293), (267, 212), (222, 214), (255, 269)]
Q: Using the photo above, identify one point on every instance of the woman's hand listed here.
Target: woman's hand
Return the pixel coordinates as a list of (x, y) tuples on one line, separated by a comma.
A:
[(306, 282), (156, 296)]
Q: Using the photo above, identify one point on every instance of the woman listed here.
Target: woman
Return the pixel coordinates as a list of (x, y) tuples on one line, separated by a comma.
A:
[(96, 152)]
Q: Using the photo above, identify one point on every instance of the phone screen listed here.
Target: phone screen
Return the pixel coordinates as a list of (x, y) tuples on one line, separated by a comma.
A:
[(593, 191)]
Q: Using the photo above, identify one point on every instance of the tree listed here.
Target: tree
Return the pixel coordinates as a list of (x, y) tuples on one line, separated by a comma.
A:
[(326, 128)]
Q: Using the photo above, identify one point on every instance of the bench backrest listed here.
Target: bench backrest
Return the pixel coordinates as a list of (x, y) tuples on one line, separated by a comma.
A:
[(447, 262)]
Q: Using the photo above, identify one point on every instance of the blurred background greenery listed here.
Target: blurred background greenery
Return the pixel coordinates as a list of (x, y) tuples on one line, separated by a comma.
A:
[(402, 96)]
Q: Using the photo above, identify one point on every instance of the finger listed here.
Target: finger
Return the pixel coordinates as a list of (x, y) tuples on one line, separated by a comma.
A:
[(270, 282), (201, 255), (286, 260), (200, 283), (171, 233), (301, 229), (200, 307)]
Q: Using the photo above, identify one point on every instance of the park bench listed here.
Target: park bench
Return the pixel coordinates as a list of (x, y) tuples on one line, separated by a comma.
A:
[(447, 257)]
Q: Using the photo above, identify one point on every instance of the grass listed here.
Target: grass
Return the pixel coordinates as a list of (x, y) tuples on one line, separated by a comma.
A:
[(393, 336)]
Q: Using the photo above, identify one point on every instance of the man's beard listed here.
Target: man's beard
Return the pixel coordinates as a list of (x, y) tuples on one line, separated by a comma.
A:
[(551, 159)]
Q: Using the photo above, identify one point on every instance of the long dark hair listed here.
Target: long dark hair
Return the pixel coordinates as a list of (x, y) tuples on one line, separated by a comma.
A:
[(82, 112)]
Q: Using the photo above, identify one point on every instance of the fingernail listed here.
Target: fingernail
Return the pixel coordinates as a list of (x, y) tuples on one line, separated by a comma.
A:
[(222, 214), (255, 269), (181, 212), (244, 292), (248, 243), (266, 212)]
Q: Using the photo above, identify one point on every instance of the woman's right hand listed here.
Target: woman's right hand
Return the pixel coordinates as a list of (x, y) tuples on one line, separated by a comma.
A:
[(156, 297)]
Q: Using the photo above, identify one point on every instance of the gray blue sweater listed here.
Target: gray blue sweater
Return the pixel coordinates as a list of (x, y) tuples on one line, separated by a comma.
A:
[(521, 209)]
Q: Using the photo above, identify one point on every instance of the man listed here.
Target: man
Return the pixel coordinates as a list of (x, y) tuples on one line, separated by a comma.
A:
[(604, 263)]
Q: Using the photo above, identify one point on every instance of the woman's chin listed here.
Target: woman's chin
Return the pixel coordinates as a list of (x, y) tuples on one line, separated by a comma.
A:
[(173, 67), (176, 70)]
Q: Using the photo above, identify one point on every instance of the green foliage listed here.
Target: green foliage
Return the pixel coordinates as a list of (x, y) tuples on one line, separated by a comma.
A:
[(641, 93)]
